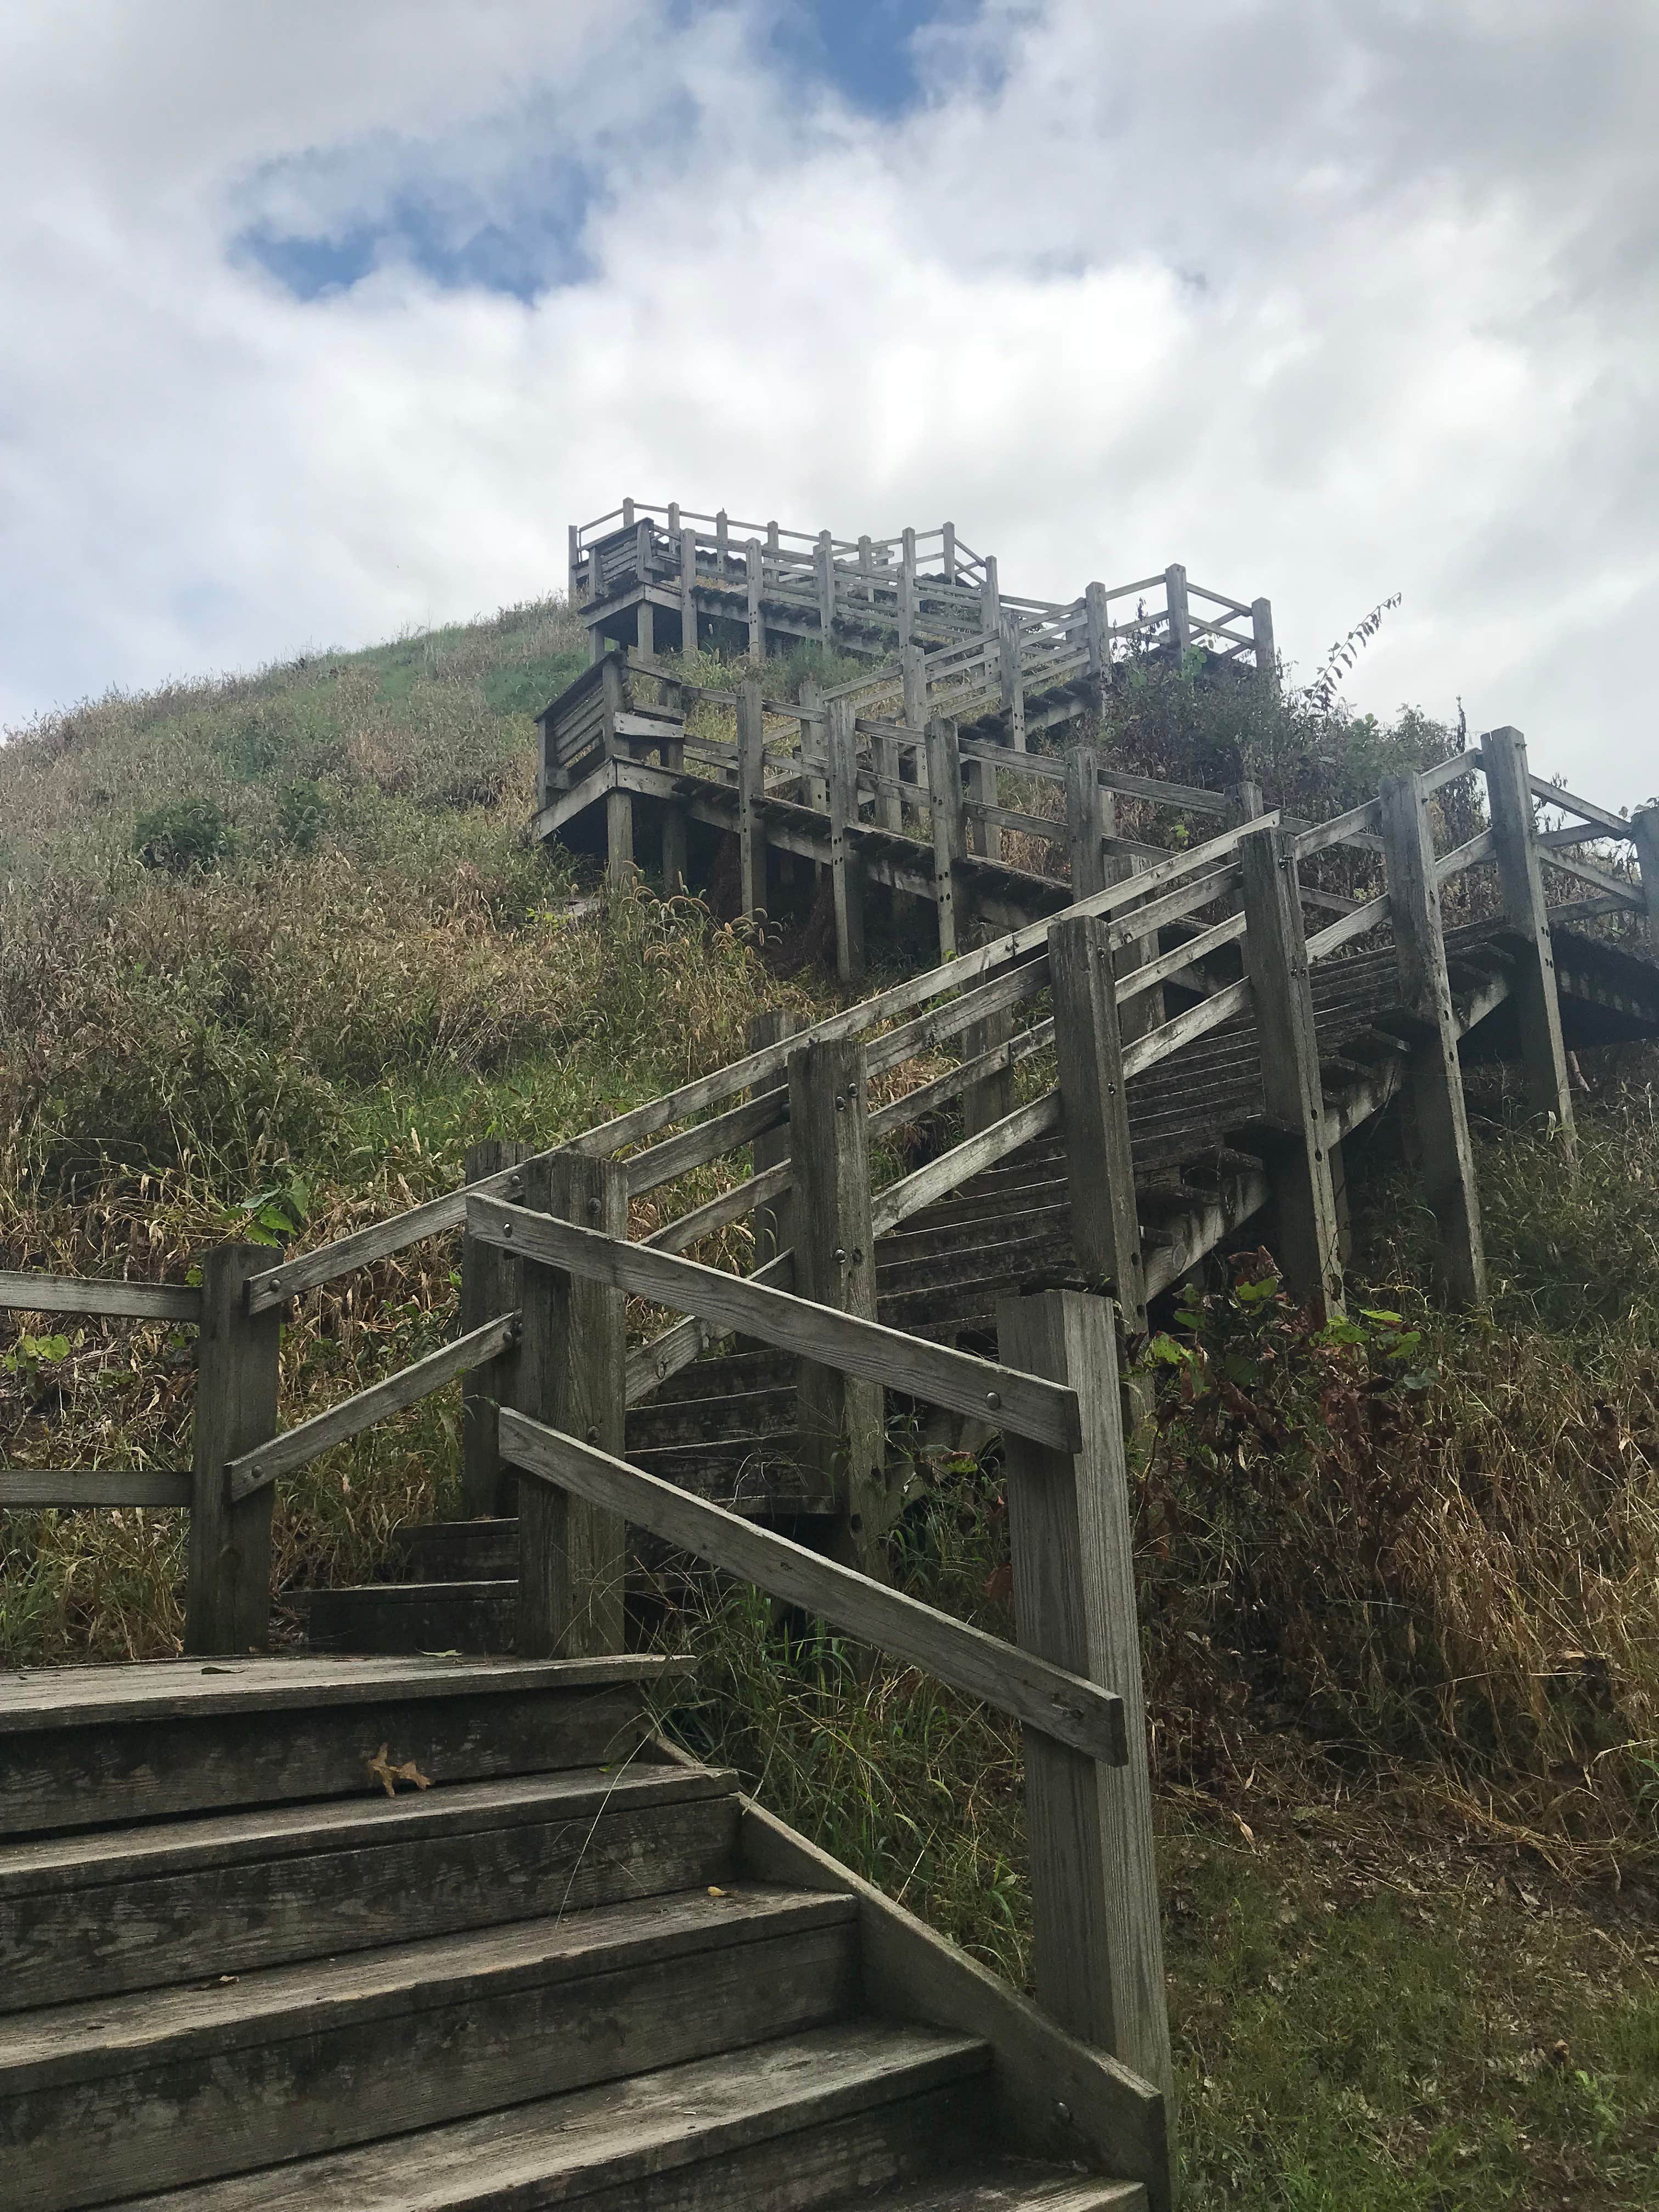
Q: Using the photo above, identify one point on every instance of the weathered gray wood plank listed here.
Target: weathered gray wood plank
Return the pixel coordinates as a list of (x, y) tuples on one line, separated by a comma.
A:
[(227, 1593), (1537, 1004), (1086, 1715), (29, 1486), (571, 1372), (489, 1288), (840, 1416), (1293, 1100), (1098, 1949), (1436, 1076), (1094, 1097), (86, 1294)]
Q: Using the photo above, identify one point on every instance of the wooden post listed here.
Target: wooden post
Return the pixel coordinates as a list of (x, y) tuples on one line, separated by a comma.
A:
[(237, 1354), (1175, 599), (722, 544), (574, 570), (572, 1556), (1145, 1009), (643, 552), (1435, 1076), (1098, 1956), (618, 804), (846, 868), (944, 805), (687, 592), (674, 520), (815, 737), (489, 1286), (1085, 826), (826, 568), (1293, 1099), (984, 837), (948, 551), (773, 1223), (751, 827), (628, 514), (990, 597), (841, 1416), (890, 800), (1013, 679), (1096, 616), (644, 629), (907, 592), (1538, 1008), (915, 664), (866, 570), (752, 565), (1644, 829), (1095, 1102), (1266, 654)]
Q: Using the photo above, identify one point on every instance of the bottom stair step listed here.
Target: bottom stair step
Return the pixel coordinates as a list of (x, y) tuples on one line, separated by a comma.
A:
[(788, 2126)]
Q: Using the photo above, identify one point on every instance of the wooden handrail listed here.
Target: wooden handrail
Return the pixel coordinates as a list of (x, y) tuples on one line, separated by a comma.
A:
[(1554, 794), (1483, 848), (1359, 923), (1058, 1704), (87, 1294), (308, 1440), (30, 1488)]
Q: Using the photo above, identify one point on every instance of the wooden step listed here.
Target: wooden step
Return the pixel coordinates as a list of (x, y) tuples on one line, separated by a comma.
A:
[(131, 1909), (1004, 1257), (659, 1422), (461, 1552), (121, 2095), (477, 1617), (85, 1745), (727, 1375), (783, 2127)]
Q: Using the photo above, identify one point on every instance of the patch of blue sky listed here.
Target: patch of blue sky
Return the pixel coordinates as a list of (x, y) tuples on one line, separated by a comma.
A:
[(870, 49), (525, 238)]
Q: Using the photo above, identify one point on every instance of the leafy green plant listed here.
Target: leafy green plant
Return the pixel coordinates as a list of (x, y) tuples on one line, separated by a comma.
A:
[(302, 812), (184, 836)]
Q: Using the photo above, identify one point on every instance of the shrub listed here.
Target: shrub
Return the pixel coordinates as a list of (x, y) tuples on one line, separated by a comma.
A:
[(184, 836)]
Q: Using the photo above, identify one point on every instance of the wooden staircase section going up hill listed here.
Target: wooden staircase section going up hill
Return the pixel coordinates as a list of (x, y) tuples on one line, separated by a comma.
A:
[(727, 1426), (314, 1936)]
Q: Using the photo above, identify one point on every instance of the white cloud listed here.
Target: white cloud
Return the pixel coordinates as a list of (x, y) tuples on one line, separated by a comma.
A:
[(1328, 300)]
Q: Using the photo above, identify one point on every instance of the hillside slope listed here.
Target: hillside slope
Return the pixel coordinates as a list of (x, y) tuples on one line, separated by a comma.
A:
[(274, 949)]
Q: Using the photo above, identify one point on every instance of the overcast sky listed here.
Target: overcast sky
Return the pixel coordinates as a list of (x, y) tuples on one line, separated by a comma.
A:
[(321, 320)]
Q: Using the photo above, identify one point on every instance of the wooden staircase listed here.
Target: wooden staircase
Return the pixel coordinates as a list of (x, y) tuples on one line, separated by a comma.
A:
[(561, 1967)]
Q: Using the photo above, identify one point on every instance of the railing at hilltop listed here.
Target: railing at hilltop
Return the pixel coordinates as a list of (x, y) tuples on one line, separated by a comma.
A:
[(875, 594)]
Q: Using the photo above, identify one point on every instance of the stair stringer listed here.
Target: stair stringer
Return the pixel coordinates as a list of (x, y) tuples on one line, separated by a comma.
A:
[(1055, 2098)]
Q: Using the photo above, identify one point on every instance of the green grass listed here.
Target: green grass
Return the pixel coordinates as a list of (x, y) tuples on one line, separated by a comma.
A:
[(1366, 2024)]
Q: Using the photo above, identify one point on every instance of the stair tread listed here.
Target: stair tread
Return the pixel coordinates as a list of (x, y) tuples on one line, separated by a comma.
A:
[(94, 1858), (90, 2036), (619, 2132), (185, 1689)]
